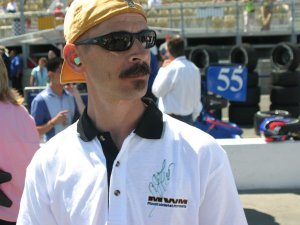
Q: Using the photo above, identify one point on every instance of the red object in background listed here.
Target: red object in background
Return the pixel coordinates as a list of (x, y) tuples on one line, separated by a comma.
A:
[(28, 23), (58, 11), (31, 63)]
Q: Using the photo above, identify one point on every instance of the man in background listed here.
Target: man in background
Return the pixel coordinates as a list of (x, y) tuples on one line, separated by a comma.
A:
[(177, 84), (55, 108), (39, 74), (16, 70)]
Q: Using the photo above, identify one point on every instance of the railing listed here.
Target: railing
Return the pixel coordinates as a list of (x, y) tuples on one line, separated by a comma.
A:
[(192, 19)]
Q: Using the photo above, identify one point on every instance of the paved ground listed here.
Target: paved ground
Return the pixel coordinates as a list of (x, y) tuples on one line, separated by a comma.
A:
[(267, 207)]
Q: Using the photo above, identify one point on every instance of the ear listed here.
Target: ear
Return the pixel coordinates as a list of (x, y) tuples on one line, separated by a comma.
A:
[(72, 58)]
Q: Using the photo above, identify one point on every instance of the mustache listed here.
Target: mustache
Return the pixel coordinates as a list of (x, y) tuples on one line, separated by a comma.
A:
[(136, 70)]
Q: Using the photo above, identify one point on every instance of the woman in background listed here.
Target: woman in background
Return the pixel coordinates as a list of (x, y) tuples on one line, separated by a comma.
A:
[(19, 140)]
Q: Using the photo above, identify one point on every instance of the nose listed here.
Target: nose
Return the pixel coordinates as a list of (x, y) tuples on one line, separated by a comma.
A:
[(139, 53)]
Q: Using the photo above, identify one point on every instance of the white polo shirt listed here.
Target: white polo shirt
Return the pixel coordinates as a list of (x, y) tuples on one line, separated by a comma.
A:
[(166, 173), (178, 88)]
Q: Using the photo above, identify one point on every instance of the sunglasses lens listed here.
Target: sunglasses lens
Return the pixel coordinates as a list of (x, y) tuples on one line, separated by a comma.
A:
[(147, 38), (118, 42), (122, 41)]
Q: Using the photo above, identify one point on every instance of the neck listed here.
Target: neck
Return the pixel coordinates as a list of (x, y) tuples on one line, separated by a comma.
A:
[(119, 117), (57, 89)]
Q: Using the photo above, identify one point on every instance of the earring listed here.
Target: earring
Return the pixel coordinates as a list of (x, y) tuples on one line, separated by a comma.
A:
[(77, 61)]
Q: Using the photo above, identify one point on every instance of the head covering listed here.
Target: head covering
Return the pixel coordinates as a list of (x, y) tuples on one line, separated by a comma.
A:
[(82, 15)]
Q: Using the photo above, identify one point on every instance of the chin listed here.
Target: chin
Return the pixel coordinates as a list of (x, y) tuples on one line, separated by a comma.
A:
[(140, 85), (135, 93)]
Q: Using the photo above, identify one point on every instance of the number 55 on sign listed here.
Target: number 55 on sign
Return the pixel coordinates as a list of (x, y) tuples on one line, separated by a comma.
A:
[(229, 81)]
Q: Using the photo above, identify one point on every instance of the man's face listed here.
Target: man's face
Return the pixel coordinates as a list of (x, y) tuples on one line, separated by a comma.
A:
[(55, 76), (116, 75)]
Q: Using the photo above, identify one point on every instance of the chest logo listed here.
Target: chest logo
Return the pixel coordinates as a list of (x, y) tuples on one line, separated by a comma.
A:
[(158, 187)]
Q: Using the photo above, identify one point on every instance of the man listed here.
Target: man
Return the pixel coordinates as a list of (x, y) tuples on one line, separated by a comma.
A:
[(266, 11), (16, 70), (124, 162), (177, 84), (54, 108), (39, 74)]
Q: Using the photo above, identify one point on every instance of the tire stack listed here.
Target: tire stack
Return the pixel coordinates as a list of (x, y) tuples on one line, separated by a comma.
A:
[(203, 56), (285, 79), (242, 113)]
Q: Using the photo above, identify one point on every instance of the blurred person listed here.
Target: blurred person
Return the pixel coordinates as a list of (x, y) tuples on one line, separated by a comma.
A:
[(5, 58), (177, 84), (124, 161), (39, 74), (55, 108), (266, 13), (16, 70), (12, 6), (154, 3), (51, 54), (163, 48), (2, 8), (249, 15), (18, 142), (58, 9)]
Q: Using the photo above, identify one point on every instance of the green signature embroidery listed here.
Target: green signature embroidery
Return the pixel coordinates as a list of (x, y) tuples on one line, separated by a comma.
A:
[(160, 180)]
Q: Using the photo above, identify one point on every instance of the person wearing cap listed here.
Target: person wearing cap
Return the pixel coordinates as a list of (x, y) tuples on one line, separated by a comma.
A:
[(124, 161)]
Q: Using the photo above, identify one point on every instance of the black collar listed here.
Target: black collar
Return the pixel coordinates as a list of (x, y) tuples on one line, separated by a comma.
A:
[(150, 125)]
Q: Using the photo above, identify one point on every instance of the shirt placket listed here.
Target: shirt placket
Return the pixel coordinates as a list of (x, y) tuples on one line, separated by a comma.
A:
[(118, 190)]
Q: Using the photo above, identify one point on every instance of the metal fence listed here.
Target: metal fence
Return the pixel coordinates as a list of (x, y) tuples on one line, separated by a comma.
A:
[(191, 19)]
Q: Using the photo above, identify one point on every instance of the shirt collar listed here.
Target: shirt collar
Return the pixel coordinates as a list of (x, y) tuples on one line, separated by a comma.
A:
[(51, 92), (150, 125), (179, 58)]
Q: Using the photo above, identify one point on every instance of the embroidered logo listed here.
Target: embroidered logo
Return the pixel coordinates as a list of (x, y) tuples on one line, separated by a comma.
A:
[(130, 3), (158, 187)]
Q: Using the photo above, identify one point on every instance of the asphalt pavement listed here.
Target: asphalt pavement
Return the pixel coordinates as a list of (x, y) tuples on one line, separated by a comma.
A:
[(271, 207)]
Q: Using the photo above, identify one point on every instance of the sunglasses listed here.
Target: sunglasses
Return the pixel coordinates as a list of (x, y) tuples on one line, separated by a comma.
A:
[(121, 41)]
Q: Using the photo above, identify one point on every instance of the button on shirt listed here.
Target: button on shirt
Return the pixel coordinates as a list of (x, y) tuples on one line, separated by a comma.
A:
[(177, 87), (166, 172)]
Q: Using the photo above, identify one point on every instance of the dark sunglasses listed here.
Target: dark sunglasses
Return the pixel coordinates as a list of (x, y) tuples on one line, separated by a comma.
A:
[(121, 41)]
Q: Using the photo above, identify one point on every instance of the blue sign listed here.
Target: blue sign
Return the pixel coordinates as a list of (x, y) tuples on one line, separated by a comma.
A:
[(229, 81)]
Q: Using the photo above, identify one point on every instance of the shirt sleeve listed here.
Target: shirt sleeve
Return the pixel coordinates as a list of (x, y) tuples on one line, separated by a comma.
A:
[(221, 204), (35, 206), (163, 82), (33, 73), (39, 111)]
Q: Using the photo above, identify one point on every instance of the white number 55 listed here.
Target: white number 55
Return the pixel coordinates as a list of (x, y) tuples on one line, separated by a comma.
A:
[(224, 76)]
